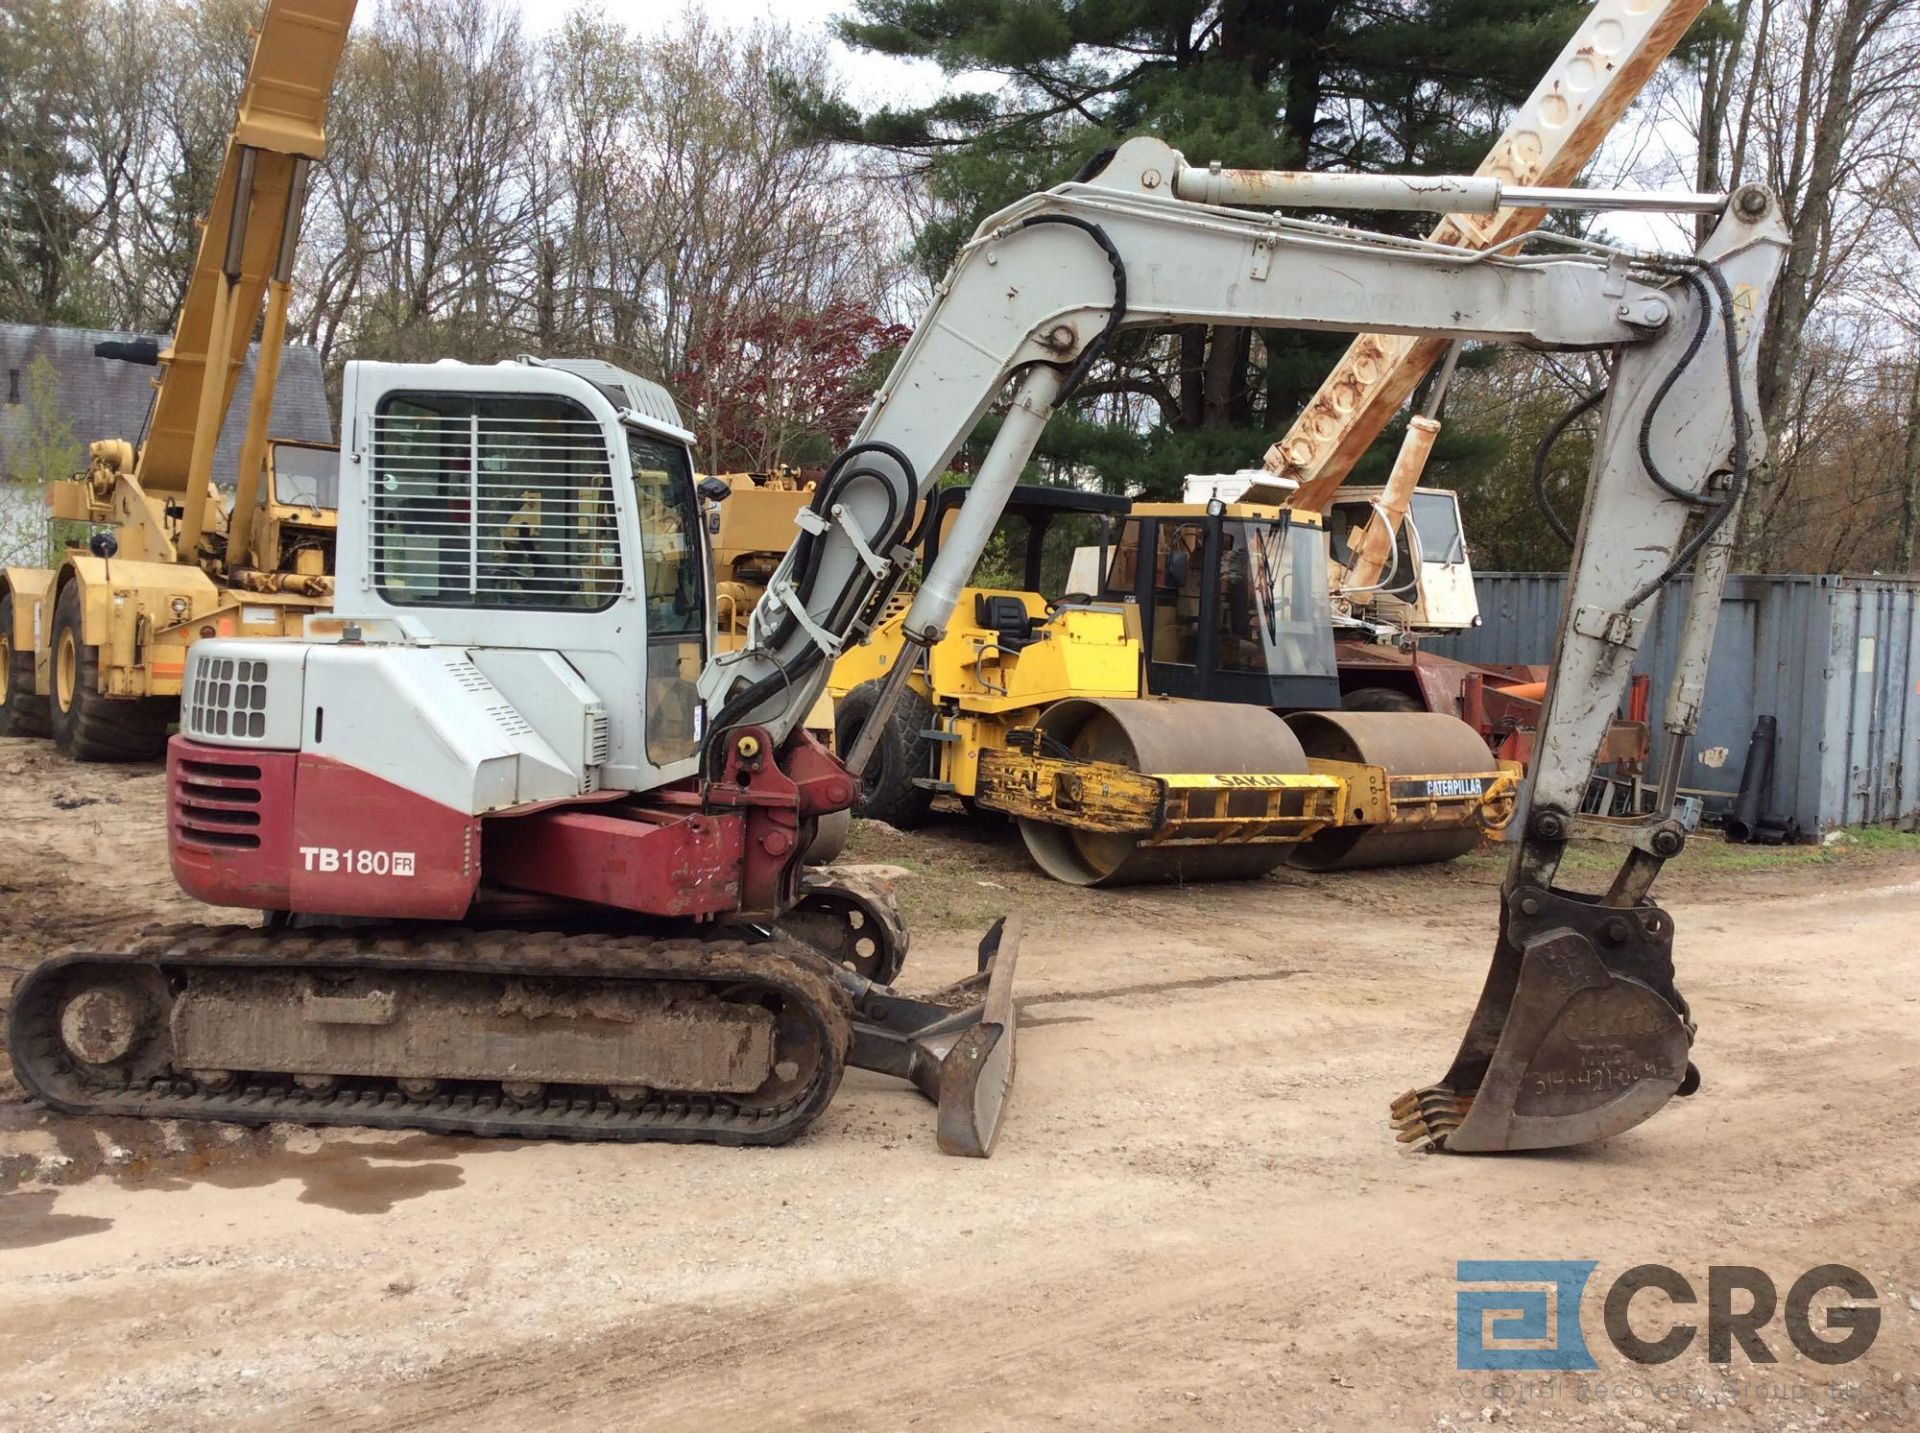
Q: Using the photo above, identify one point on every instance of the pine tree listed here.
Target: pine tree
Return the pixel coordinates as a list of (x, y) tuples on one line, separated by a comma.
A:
[(1420, 85), (39, 222)]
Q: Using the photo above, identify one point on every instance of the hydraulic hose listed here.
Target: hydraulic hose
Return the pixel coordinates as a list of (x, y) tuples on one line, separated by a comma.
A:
[(1540, 455), (1116, 312), (1722, 508), (900, 513), (1709, 286), (807, 553)]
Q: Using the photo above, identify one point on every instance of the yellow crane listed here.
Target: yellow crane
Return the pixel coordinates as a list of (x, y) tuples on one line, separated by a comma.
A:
[(95, 649), (1598, 74)]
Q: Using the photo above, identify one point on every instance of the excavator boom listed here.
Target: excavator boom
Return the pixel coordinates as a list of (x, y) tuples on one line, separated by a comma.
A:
[(1580, 1032)]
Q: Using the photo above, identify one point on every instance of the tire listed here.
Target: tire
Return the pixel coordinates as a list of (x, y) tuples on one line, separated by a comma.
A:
[(829, 839), (21, 712), (1380, 699), (87, 725), (887, 792)]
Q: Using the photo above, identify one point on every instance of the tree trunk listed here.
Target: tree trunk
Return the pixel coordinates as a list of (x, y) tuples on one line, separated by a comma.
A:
[(1910, 475), (1812, 217), (1240, 400), (1721, 68), (1222, 377), (1193, 356)]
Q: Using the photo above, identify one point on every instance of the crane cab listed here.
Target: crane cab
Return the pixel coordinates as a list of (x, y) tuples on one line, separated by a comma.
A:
[(1428, 586)]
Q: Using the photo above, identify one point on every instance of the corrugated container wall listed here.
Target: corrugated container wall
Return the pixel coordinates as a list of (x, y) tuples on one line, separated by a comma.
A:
[(1835, 659)]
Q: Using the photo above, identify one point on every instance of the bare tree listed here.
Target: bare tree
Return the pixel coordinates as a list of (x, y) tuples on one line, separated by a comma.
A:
[(1816, 99)]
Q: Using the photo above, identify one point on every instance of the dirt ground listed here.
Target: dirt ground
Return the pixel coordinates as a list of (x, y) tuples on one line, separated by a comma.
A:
[(1197, 1216)]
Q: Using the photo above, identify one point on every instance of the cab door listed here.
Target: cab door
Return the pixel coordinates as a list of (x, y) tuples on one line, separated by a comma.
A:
[(1447, 599)]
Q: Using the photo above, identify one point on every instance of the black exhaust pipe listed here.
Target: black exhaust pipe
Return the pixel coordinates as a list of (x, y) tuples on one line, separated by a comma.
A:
[(144, 351), (1756, 782)]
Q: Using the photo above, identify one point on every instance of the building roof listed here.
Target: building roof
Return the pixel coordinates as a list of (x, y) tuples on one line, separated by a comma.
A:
[(109, 398)]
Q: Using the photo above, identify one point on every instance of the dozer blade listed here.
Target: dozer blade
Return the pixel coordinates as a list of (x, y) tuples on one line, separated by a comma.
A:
[(956, 1047), (1579, 1033)]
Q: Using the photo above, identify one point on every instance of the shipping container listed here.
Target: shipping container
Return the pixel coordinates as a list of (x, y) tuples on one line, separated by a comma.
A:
[(1835, 659)]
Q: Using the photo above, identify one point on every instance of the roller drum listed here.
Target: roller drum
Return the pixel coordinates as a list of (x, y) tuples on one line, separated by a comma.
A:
[(1161, 736), (1403, 744)]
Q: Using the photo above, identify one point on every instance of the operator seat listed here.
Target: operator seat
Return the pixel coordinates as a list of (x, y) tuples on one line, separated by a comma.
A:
[(1007, 619)]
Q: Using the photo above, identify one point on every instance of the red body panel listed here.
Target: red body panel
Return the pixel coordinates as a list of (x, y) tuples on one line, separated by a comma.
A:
[(289, 831), (364, 846), (286, 831), (662, 864)]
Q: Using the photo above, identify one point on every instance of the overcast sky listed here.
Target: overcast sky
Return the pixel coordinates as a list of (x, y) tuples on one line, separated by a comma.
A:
[(874, 80), (871, 79)]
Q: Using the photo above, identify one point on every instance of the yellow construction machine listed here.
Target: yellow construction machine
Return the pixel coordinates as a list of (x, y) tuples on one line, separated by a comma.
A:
[(749, 520), (1169, 712), (95, 649)]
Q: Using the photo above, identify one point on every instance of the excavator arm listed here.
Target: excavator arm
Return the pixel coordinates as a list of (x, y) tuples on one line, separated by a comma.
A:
[(1036, 296)]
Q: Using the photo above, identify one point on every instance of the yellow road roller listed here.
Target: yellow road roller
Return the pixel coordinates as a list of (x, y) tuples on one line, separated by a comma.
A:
[(1150, 692)]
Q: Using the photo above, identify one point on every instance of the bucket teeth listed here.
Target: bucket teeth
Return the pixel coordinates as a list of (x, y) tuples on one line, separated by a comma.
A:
[(1429, 1114)]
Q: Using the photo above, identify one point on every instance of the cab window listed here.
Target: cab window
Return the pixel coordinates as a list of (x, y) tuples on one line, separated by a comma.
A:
[(1179, 577), (1436, 518), (304, 477), (487, 501), (671, 545), (1273, 614), (1065, 534)]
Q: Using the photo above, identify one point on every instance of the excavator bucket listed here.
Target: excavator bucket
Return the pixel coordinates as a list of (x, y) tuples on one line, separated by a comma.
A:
[(955, 1047), (1579, 1033)]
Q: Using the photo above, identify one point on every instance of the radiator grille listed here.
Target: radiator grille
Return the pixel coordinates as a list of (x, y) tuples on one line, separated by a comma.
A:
[(216, 804), (229, 698)]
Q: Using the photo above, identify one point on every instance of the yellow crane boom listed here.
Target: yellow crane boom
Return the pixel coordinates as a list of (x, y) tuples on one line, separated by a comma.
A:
[(96, 646), (244, 264), (1603, 67)]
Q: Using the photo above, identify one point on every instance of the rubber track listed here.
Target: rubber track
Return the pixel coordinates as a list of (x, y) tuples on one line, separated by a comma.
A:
[(793, 971)]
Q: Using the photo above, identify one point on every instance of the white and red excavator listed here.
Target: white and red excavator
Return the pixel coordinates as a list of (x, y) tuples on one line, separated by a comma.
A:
[(530, 851)]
